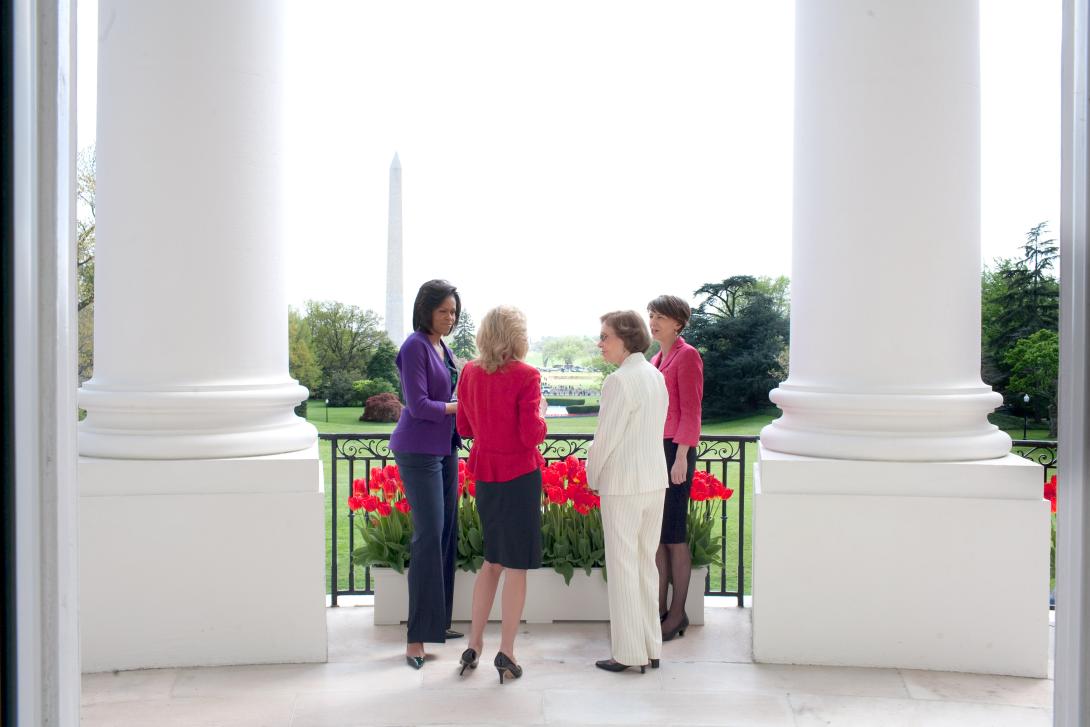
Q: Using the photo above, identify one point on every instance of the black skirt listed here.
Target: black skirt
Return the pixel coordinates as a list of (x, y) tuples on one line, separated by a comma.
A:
[(675, 508), (511, 521)]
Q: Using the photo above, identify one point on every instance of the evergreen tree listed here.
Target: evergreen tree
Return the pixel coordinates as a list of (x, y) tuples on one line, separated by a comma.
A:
[(463, 341)]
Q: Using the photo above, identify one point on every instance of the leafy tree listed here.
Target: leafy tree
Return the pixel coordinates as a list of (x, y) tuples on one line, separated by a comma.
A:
[(364, 389), (302, 363), (85, 261), (337, 388), (464, 340), (568, 349), (1035, 370), (1018, 298), (383, 363), (742, 336), (778, 290), (344, 338)]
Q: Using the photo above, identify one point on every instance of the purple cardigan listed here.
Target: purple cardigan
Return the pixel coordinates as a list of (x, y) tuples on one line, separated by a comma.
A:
[(424, 426)]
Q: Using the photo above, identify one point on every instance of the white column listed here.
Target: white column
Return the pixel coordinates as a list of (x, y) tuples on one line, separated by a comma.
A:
[(39, 285), (891, 525), (395, 283), (1072, 700), (191, 346), (885, 284), (202, 533)]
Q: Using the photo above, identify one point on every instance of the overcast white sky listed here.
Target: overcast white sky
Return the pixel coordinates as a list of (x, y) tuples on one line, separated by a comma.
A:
[(574, 157)]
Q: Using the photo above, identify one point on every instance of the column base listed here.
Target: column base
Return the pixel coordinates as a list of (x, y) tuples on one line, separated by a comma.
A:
[(201, 562), (940, 566), (197, 422)]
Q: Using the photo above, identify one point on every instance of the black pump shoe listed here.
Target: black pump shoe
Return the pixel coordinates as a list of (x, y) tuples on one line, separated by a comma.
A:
[(452, 634), (654, 663), (416, 662), (616, 666), (469, 660), (678, 630), (506, 667)]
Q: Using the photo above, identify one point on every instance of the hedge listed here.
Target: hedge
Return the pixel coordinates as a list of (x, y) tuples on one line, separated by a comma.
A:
[(563, 401), (588, 409)]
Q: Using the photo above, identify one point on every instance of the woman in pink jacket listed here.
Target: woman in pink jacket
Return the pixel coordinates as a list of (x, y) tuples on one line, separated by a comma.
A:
[(683, 370)]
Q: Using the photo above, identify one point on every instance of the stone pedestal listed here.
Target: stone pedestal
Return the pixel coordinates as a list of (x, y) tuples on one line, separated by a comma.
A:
[(904, 565), (201, 562)]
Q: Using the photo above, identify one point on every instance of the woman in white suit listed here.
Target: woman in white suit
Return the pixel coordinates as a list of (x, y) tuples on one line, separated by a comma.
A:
[(626, 467)]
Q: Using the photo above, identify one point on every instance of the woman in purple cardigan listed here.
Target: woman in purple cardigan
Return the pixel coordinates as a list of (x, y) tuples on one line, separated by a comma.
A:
[(425, 446)]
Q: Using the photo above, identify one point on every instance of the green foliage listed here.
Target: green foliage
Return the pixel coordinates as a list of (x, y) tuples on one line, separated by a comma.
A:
[(583, 409), (344, 339), (364, 389), (383, 363), (742, 338), (1019, 297), (1034, 363), (302, 363), (384, 541), (86, 173), (566, 350), (704, 541), (470, 536), (463, 342), (570, 540), (564, 401), (338, 389)]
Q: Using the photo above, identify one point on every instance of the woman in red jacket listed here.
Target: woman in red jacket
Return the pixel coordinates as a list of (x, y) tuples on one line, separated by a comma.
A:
[(500, 406), (683, 370)]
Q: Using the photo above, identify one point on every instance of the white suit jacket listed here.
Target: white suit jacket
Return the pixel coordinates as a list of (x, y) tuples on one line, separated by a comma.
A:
[(626, 457)]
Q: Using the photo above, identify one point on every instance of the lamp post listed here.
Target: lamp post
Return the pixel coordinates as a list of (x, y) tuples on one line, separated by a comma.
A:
[(327, 411), (1025, 414)]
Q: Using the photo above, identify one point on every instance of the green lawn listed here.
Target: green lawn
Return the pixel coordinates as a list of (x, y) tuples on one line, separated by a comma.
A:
[(346, 420)]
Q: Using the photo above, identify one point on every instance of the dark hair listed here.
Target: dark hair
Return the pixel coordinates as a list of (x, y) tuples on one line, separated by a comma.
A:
[(430, 296), (672, 307), (628, 325)]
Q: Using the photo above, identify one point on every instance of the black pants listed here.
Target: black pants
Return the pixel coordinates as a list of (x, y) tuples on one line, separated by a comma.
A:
[(431, 486)]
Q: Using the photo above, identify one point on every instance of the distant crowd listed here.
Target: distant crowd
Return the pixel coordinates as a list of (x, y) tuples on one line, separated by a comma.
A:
[(568, 391)]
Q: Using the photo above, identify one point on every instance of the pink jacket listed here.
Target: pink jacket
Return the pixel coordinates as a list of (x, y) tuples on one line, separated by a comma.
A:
[(683, 370)]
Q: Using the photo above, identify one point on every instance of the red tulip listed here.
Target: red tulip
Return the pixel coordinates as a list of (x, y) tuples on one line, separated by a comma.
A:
[(355, 502), (384, 509), (402, 505), (370, 503), (359, 487)]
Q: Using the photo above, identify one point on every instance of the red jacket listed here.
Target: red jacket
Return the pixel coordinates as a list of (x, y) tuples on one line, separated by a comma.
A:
[(684, 374), (500, 412)]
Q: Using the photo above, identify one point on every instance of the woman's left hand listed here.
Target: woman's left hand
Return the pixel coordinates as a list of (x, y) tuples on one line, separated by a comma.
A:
[(679, 471)]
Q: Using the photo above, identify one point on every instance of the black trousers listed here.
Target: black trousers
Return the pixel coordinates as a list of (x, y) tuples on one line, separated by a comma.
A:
[(431, 486)]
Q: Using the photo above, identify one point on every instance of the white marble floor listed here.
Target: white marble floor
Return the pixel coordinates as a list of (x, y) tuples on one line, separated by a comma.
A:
[(707, 678)]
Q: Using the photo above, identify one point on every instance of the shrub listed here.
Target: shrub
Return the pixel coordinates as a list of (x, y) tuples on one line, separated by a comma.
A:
[(381, 408), (338, 389), (588, 409), (301, 409), (364, 389), (563, 401)]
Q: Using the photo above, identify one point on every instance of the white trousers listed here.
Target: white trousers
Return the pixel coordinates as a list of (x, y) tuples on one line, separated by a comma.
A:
[(633, 526)]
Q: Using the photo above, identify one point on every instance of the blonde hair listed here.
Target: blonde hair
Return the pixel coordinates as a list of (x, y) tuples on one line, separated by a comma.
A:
[(502, 337)]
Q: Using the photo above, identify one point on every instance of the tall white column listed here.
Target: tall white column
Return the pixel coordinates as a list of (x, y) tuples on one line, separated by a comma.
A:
[(200, 488), (892, 527), (191, 343), (395, 282), (885, 285)]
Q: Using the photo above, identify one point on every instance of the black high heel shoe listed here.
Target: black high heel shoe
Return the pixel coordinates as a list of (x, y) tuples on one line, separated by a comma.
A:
[(616, 666), (469, 659), (506, 667), (654, 663), (678, 630), (416, 662)]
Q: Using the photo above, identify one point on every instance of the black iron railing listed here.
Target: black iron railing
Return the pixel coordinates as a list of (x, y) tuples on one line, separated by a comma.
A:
[(352, 456)]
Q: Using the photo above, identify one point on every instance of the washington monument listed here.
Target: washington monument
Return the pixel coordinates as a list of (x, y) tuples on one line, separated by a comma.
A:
[(395, 295)]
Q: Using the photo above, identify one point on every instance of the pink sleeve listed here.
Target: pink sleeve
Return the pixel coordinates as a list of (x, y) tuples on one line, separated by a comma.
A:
[(690, 384)]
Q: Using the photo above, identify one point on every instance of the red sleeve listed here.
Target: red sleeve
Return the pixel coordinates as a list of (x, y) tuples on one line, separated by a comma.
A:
[(461, 415), (531, 427), (690, 384)]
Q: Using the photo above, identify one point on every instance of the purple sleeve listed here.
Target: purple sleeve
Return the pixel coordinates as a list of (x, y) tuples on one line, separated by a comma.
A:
[(413, 366)]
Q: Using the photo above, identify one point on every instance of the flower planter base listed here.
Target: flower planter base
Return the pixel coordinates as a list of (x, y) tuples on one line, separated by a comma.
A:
[(548, 599)]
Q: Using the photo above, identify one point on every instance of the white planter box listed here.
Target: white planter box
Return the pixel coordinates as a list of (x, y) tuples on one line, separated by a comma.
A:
[(547, 598)]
